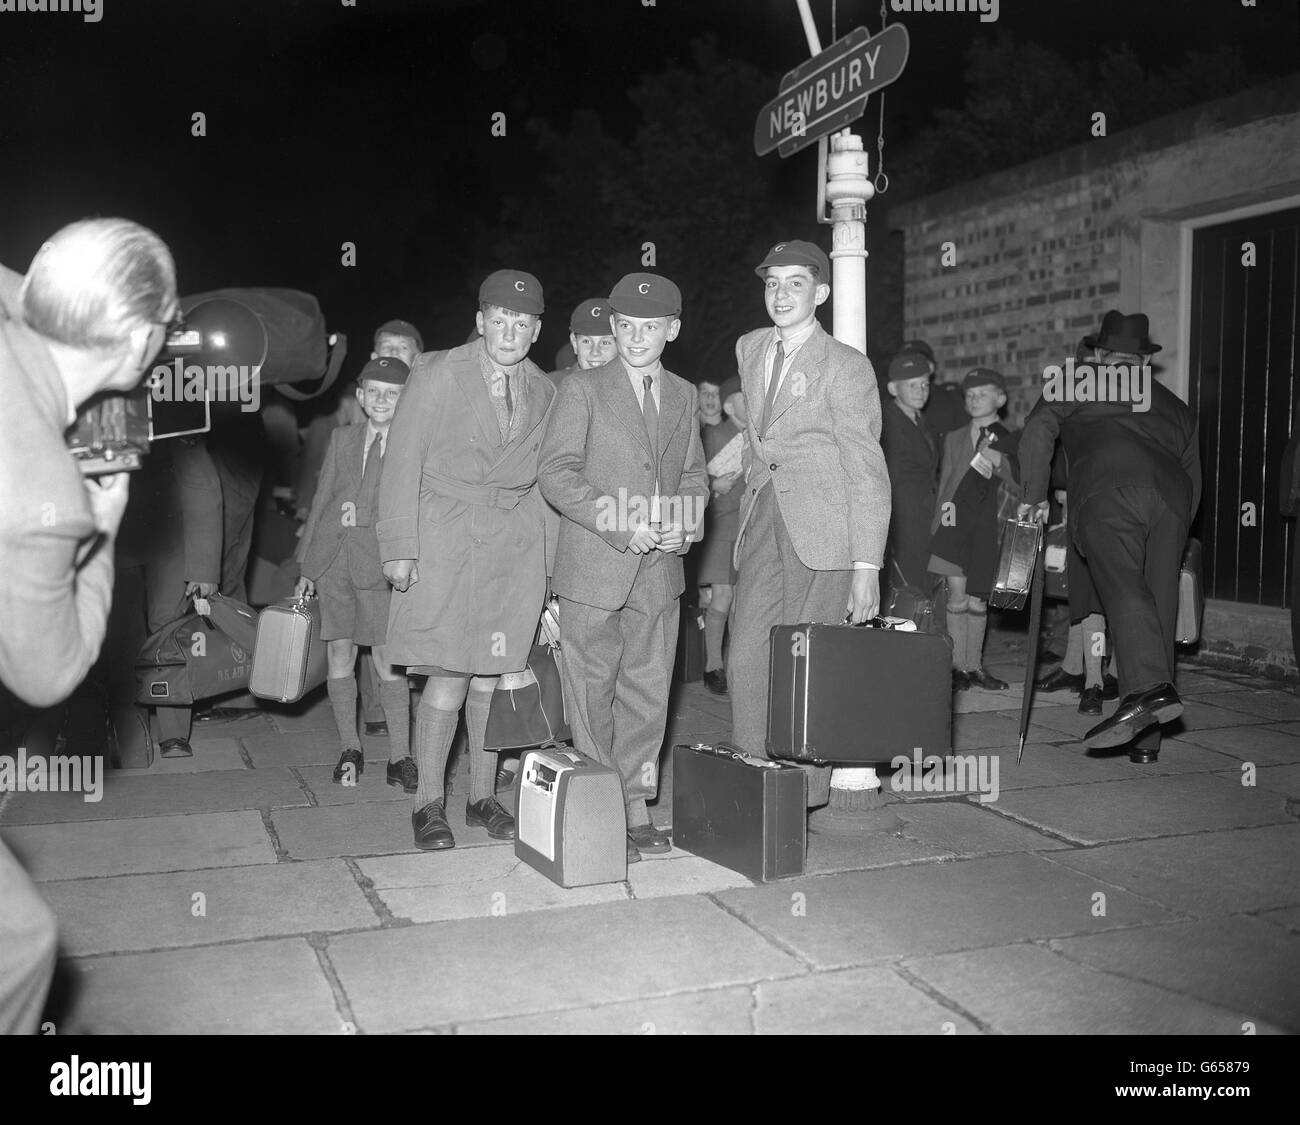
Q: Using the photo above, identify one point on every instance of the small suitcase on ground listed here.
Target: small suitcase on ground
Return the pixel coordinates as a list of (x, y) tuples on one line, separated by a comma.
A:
[(843, 693), (1015, 573), (744, 813), (690, 646), (1191, 596), (288, 654), (570, 821)]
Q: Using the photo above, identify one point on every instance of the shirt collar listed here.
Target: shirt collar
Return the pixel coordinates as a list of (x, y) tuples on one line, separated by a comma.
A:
[(372, 432), (797, 340), (636, 374)]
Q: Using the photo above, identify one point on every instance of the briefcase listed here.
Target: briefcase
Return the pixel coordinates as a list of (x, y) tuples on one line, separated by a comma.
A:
[(1015, 573), (570, 820), (1191, 596), (744, 813), (844, 693), (288, 653)]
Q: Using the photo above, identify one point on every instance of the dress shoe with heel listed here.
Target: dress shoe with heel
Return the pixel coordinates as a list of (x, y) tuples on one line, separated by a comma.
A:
[(489, 813), (1136, 712), (405, 774), (649, 839), (1059, 680), (1090, 701), (983, 678), (716, 681), (960, 680), (351, 762), (432, 832)]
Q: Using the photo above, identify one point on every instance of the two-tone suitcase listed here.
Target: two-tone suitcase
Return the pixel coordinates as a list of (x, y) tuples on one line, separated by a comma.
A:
[(1191, 596), (744, 813), (288, 653), (1021, 540), (845, 693)]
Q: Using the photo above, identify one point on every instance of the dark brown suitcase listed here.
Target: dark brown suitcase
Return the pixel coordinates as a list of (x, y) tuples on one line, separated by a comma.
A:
[(844, 693), (1015, 573), (740, 812)]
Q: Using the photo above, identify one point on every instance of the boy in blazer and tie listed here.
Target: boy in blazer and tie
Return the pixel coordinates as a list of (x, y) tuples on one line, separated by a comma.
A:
[(815, 510), (338, 559), (623, 464)]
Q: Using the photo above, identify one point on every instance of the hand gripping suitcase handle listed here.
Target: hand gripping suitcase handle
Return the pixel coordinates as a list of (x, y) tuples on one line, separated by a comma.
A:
[(875, 623)]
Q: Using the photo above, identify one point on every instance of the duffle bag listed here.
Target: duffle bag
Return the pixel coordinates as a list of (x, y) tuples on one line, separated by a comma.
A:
[(195, 658)]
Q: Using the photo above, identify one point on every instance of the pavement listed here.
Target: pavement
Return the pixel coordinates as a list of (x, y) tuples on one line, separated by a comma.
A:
[(242, 891)]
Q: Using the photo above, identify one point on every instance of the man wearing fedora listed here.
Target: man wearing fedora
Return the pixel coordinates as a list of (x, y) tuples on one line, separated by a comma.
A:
[(1135, 483), (815, 509)]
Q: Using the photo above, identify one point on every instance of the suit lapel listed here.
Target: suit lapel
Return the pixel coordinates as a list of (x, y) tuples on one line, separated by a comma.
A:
[(469, 377), (617, 388), (672, 405), (529, 381), (808, 364)]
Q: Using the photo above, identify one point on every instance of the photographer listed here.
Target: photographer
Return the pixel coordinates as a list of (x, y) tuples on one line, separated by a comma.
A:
[(88, 317)]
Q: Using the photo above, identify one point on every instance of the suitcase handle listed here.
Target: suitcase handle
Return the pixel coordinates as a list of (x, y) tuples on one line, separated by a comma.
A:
[(876, 623), (723, 750)]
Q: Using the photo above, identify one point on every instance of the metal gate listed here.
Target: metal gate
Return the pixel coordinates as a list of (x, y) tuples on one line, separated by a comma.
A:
[(1242, 387)]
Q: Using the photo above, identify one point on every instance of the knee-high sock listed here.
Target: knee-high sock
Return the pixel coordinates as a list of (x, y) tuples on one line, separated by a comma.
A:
[(977, 621), (395, 695), (1093, 628), (343, 701), (715, 626), (1072, 665), (482, 763), (957, 631), (434, 732)]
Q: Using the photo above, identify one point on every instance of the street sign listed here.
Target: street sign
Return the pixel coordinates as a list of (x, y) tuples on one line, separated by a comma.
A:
[(829, 91)]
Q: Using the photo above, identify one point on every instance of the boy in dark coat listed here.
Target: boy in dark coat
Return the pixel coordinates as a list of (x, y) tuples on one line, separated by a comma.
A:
[(978, 460), (912, 449), (339, 560)]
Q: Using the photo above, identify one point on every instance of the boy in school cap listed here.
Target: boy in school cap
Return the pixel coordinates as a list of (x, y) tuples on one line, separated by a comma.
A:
[(590, 337), (338, 558)]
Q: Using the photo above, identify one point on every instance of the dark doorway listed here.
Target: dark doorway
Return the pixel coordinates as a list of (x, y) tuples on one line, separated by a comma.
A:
[(1242, 387)]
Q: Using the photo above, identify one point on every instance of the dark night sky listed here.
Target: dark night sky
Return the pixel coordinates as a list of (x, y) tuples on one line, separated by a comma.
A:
[(371, 124)]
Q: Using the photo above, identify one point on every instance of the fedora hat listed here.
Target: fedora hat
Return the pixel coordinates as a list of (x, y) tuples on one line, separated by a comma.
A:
[(1120, 333)]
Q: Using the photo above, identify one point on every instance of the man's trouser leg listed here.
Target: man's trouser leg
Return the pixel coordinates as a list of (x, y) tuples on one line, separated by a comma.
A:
[(774, 588), (591, 647), (27, 949), (1127, 536)]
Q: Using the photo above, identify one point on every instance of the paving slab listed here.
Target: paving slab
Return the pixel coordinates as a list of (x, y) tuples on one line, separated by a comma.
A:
[(363, 828), (313, 716), (250, 988), (1261, 705), (133, 912), (80, 850), (372, 785), (1260, 745), (1204, 683), (526, 963), (832, 852), (853, 1002), (474, 883), (966, 828), (1242, 964), (128, 794), (976, 700), (1288, 918), (1278, 779), (864, 916), (1071, 764), (212, 753), (722, 1011), (1203, 716), (271, 749), (1144, 807), (1208, 873), (1029, 990), (982, 731), (682, 874), (1293, 729)]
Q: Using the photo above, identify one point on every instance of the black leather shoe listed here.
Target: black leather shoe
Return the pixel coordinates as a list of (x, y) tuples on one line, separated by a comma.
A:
[(489, 814), (351, 763), (1059, 680), (380, 727), (432, 832), (1135, 713), (985, 679), (649, 839), (716, 681), (404, 774), (506, 778), (960, 680), (1090, 701), (1109, 688)]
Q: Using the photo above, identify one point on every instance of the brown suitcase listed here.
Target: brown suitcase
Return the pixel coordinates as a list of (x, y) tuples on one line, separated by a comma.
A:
[(288, 654), (844, 693), (1015, 574)]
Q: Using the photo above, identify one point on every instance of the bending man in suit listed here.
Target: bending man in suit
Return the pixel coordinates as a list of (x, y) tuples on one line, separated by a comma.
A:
[(465, 535), (815, 512), (1135, 483), (623, 464)]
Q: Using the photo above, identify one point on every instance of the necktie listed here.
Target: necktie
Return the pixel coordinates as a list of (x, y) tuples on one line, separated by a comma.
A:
[(651, 412), (774, 380), (510, 399), (374, 457)]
